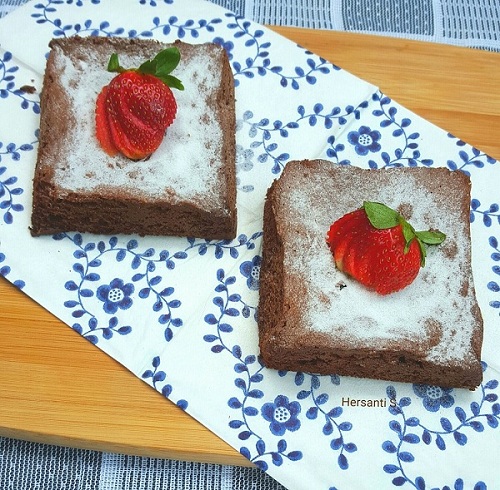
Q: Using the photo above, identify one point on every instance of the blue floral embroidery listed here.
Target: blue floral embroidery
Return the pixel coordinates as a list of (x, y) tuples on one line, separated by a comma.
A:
[(181, 28), (320, 113), (9, 187), (244, 163), (334, 149), (5, 271), (7, 84), (7, 193), (282, 415), (412, 431), (434, 397), (14, 151), (251, 270), (227, 45), (476, 160), (78, 3), (407, 153), (90, 257), (44, 12), (115, 295), (488, 215), (319, 400), (264, 131), (365, 140), (156, 376), (260, 64), (104, 28), (494, 286), (153, 3), (221, 246), (250, 374)]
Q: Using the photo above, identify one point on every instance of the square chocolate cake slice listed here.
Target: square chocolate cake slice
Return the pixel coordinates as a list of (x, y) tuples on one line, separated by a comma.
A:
[(314, 318), (187, 187)]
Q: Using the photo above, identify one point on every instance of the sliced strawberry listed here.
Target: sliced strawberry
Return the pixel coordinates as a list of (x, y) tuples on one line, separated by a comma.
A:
[(123, 142), (150, 102), (135, 143), (377, 247), (142, 102), (391, 269), (138, 106), (101, 123), (352, 258), (343, 231), (364, 271)]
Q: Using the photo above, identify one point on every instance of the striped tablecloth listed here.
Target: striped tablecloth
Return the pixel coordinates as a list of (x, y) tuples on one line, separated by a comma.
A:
[(471, 23), (26, 465)]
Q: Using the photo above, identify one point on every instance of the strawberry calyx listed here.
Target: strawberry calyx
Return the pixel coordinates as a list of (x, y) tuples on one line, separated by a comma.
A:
[(382, 217), (377, 247), (135, 109), (160, 66)]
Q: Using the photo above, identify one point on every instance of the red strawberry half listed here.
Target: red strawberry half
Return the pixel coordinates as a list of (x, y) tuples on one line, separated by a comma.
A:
[(135, 109), (376, 246)]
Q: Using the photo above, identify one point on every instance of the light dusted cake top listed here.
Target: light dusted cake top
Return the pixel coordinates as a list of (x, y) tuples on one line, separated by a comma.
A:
[(432, 317), (184, 168)]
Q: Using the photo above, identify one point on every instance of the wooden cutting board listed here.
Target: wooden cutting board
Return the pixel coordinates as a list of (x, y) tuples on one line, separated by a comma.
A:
[(55, 387)]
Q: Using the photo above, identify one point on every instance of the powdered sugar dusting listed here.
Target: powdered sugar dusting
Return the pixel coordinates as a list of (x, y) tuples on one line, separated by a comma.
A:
[(185, 166), (431, 316)]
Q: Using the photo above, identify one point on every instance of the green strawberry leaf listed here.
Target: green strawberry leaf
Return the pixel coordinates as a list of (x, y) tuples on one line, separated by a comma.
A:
[(408, 233), (431, 237), (383, 217), (171, 81), (160, 66), (167, 60), (148, 67), (423, 253), (380, 215), (114, 64)]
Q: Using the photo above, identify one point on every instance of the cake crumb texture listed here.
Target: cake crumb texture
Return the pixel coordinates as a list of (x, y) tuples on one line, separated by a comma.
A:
[(187, 187), (314, 318)]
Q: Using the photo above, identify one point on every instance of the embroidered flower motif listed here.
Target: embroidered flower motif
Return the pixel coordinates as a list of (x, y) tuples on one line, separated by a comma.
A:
[(251, 270), (282, 415), (365, 140), (434, 397), (115, 295)]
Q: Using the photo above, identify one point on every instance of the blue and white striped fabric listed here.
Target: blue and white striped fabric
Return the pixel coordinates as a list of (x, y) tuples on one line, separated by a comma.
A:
[(467, 23)]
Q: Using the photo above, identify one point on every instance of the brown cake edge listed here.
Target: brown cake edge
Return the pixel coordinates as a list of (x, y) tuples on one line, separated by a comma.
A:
[(319, 356), (51, 214)]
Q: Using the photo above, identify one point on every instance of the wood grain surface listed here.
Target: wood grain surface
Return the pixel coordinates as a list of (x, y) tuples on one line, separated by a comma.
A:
[(55, 387)]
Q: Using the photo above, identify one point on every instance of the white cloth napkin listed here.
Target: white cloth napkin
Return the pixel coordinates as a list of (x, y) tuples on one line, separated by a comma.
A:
[(186, 324)]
